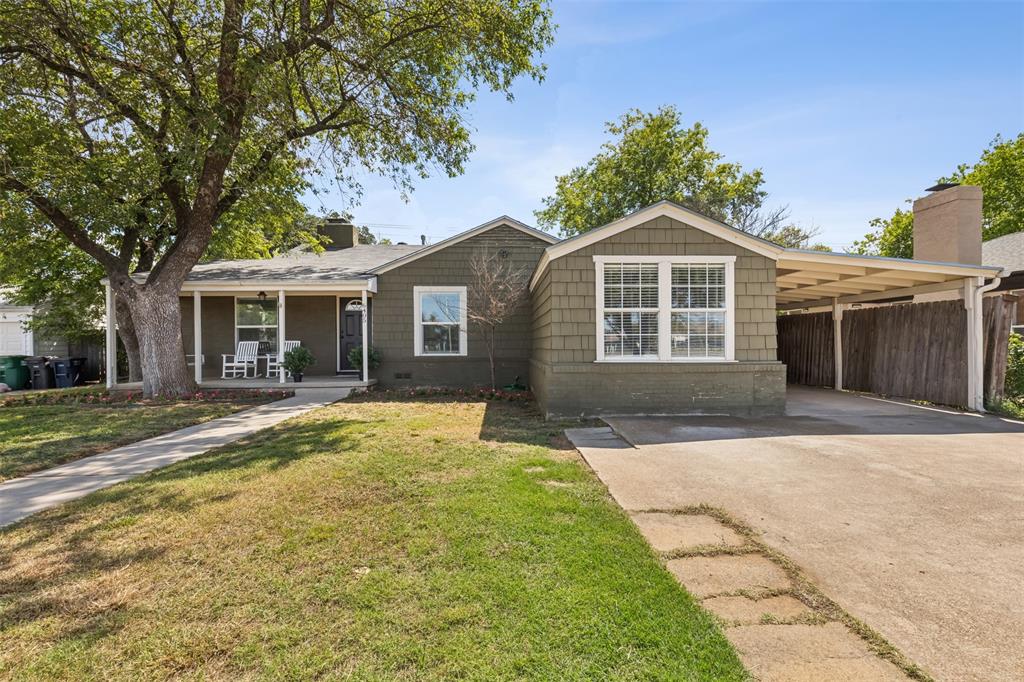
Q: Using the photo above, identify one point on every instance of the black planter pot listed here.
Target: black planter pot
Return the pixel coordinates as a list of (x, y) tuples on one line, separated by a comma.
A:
[(297, 376)]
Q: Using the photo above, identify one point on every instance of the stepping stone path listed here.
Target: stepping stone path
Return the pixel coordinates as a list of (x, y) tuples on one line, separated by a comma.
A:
[(778, 637)]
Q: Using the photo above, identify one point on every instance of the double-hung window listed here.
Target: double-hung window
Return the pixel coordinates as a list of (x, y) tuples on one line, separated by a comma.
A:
[(256, 320), (440, 320), (665, 308)]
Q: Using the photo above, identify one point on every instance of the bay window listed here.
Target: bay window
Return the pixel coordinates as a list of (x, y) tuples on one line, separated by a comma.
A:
[(665, 308)]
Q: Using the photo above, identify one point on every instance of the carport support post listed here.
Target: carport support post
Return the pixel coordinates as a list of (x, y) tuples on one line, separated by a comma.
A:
[(837, 335), (280, 336), (975, 343), (197, 334), (111, 341)]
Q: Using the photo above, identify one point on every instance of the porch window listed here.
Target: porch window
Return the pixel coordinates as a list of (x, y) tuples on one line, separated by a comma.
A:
[(665, 308), (256, 320), (440, 320)]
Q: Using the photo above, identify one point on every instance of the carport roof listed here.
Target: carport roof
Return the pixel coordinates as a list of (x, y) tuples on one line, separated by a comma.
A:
[(814, 278)]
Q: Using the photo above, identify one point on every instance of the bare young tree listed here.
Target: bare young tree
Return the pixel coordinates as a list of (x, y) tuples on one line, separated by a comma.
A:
[(496, 288)]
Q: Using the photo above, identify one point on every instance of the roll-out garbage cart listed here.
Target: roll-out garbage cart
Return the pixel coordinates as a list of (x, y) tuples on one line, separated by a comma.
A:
[(13, 372), (67, 372), (40, 371)]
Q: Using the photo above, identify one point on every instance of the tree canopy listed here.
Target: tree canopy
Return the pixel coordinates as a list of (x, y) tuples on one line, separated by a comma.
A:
[(1000, 174), (123, 122), (654, 157)]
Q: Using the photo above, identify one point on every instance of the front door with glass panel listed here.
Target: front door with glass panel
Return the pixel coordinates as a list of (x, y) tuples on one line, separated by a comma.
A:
[(351, 328)]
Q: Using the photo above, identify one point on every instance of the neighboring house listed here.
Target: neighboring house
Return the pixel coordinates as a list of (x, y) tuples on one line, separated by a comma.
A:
[(15, 337), (1008, 252), (663, 312)]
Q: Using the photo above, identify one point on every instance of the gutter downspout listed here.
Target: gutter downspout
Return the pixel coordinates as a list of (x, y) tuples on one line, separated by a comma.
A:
[(976, 342)]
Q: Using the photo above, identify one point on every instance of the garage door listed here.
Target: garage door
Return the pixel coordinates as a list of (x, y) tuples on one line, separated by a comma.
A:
[(13, 339)]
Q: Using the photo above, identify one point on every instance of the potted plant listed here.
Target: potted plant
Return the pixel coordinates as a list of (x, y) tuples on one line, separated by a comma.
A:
[(355, 357), (296, 361)]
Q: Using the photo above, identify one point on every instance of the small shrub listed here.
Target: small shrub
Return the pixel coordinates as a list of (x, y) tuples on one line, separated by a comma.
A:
[(355, 357), (1015, 367), (297, 360)]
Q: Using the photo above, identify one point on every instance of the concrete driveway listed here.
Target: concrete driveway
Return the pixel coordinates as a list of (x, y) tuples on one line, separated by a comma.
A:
[(911, 518)]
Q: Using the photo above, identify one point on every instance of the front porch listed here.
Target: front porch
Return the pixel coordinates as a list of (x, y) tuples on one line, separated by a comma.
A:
[(329, 321)]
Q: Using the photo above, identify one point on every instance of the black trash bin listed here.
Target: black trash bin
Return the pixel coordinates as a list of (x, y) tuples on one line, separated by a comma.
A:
[(67, 372), (41, 372)]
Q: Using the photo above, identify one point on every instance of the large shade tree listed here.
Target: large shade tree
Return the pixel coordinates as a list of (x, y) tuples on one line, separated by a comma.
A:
[(111, 109), (1000, 174), (653, 157), (64, 285)]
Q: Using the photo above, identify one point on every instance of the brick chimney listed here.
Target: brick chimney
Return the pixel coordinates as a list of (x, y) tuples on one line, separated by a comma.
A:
[(341, 233), (947, 225)]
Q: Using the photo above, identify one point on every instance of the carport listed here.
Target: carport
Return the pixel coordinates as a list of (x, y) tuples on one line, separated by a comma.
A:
[(952, 319)]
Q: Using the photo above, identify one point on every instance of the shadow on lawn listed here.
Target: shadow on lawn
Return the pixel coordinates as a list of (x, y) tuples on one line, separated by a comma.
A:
[(70, 572)]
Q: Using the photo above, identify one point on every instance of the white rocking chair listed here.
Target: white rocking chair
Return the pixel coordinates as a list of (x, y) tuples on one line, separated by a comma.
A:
[(273, 366), (245, 357)]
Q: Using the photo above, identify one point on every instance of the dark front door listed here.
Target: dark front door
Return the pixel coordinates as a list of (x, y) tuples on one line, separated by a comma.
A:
[(351, 330)]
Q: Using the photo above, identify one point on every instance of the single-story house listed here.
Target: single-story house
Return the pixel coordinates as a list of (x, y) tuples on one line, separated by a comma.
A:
[(665, 311)]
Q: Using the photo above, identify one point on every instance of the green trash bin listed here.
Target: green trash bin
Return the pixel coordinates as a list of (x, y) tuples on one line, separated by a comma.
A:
[(13, 371)]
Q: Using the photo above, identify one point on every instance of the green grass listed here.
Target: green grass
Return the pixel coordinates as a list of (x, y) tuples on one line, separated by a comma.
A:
[(370, 540), (38, 437)]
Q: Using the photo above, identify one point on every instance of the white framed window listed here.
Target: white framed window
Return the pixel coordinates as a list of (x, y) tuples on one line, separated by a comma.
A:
[(665, 308), (439, 319), (256, 320)]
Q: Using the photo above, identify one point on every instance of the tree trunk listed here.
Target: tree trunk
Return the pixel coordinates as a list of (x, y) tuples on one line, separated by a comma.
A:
[(156, 314), (490, 355), (130, 339)]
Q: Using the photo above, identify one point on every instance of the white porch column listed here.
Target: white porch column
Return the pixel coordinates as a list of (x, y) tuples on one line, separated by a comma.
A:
[(197, 334), (280, 335), (366, 344), (975, 344), (837, 333), (111, 338)]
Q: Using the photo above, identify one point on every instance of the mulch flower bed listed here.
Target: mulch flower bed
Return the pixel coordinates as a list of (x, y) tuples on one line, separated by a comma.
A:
[(105, 397), (456, 393)]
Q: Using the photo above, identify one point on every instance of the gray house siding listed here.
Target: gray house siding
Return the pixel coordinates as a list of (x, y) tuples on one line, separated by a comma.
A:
[(393, 323), (309, 319), (568, 382)]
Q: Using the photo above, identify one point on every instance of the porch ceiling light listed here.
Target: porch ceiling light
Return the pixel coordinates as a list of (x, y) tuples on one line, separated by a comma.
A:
[(262, 295)]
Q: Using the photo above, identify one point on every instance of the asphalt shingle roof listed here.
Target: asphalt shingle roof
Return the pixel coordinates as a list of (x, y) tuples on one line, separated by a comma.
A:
[(1006, 251), (351, 263)]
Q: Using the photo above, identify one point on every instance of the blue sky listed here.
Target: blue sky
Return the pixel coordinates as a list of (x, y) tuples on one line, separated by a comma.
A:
[(849, 108)]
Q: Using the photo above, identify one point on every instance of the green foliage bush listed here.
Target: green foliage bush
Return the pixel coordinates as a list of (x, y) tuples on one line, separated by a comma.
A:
[(1015, 368), (355, 357), (297, 360)]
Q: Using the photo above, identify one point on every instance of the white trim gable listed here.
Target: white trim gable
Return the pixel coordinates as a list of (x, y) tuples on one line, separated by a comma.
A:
[(462, 236), (644, 215)]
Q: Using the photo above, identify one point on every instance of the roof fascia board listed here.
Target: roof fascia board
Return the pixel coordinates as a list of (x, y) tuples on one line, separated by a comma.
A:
[(462, 236), (853, 259), (369, 284)]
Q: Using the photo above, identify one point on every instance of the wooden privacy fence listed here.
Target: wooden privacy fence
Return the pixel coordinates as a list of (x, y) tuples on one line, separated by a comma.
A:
[(910, 350)]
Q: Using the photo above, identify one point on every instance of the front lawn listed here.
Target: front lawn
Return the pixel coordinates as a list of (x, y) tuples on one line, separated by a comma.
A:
[(39, 436), (427, 539)]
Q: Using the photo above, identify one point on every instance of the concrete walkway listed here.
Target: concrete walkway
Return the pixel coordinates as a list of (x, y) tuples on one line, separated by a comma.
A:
[(21, 497)]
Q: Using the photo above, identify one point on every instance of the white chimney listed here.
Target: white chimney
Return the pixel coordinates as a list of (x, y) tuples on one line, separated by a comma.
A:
[(947, 225)]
